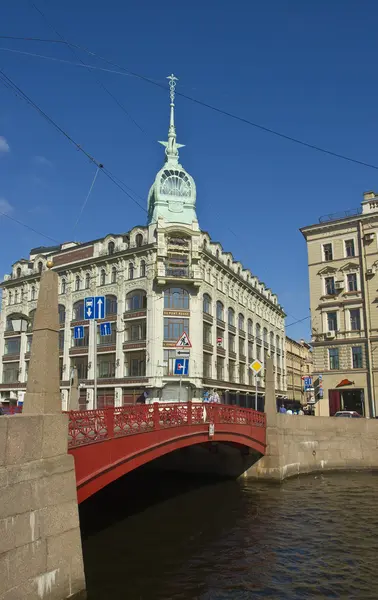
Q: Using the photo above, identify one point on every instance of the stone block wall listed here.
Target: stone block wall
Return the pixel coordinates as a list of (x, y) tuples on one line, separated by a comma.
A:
[(40, 544), (300, 444)]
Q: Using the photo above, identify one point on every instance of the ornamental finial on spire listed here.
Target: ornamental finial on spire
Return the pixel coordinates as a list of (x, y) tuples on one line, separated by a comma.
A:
[(171, 147)]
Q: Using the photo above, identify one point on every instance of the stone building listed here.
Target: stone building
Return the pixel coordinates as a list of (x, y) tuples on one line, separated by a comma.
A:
[(159, 281), (298, 365), (343, 259)]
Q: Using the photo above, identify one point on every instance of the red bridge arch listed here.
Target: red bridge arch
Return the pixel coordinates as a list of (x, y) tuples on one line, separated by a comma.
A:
[(111, 442)]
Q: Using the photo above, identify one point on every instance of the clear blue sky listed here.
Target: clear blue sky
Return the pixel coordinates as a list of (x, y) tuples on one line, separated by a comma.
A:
[(307, 69)]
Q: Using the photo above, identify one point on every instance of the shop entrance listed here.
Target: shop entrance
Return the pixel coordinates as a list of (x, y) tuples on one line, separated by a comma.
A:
[(346, 400)]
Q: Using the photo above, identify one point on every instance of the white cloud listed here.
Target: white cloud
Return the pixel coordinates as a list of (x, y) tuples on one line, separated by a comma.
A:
[(4, 146), (5, 207), (42, 160)]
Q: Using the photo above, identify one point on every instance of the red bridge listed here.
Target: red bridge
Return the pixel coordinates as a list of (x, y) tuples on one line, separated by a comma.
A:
[(111, 442)]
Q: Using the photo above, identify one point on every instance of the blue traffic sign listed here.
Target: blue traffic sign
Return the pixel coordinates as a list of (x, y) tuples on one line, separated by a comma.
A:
[(181, 366), (307, 383), (94, 307), (79, 332), (105, 329)]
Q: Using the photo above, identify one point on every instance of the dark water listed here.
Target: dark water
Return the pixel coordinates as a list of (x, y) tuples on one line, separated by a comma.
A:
[(312, 537)]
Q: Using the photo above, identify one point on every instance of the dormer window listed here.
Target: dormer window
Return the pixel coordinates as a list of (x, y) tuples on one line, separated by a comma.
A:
[(139, 240), (175, 183), (40, 266), (18, 272), (111, 248)]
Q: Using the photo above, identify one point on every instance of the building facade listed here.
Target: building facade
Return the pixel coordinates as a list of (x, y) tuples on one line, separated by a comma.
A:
[(342, 263), (159, 281), (299, 364)]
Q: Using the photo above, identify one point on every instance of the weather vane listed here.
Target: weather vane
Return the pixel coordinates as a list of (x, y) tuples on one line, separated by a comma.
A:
[(172, 86)]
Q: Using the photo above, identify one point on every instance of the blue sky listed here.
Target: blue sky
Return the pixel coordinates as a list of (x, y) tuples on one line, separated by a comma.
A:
[(306, 69)]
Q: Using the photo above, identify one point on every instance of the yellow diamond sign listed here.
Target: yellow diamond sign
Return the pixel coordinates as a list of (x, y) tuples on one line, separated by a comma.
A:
[(256, 366)]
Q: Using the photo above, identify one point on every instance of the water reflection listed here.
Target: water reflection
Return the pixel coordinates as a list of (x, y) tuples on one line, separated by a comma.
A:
[(313, 537)]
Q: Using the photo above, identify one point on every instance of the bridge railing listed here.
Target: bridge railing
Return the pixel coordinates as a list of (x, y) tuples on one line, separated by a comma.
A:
[(91, 426)]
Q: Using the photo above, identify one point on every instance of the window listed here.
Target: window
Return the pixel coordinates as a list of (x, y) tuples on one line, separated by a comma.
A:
[(220, 311), (18, 272), (135, 364), (241, 347), (169, 362), (352, 282), (355, 319), (110, 305), (81, 364), (174, 328), (10, 298), (139, 240), (77, 283), (231, 371), (258, 331), (87, 281), (10, 373), (176, 298), (241, 373), (31, 319), (111, 247), (136, 331), (271, 340), (12, 345), (258, 352), (217, 254), (327, 252), (207, 304), (32, 294), (220, 368), (250, 351), (333, 354), (82, 342), (231, 342), (40, 266), (136, 300), (131, 271), (106, 366), (349, 248), (16, 297), (329, 284), (265, 335), (357, 357), (332, 321), (250, 327), (63, 286), (61, 340), (231, 317), (241, 322), (114, 275), (62, 314), (207, 334), (207, 365), (143, 268), (104, 340), (102, 277), (78, 311)]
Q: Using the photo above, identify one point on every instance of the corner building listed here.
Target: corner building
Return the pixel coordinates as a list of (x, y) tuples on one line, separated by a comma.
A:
[(342, 263), (159, 280)]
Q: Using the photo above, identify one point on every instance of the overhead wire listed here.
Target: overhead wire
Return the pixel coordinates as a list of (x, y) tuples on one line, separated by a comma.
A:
[(86, 198), (4, 214)]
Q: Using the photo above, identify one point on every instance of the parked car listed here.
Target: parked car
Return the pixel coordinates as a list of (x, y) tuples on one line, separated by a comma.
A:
[(347, 413)]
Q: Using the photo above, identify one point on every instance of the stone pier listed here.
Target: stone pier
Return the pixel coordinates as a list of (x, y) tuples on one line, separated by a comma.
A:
[(40, 544)]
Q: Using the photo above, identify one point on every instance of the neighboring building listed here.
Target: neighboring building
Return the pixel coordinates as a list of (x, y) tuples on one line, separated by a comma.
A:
[(159, 280), (343, 260), (298, 365)]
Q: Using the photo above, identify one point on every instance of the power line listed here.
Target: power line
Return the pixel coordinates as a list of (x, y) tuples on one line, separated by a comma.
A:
[(298, 321), (3, 214)]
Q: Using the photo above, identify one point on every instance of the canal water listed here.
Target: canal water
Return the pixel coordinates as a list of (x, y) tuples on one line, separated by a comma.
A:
[(153, 537)]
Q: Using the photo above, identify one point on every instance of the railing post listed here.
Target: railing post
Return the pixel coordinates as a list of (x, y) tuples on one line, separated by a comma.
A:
[(109, 421), (189, 413), (156, 416)]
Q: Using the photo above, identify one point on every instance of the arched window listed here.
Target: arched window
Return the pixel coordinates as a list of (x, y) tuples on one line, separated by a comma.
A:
[(250, 327), (139, 240), (111, 247), (114, 274), (231, 317), (176, 298), (258, 331), (32, 294), (220, 311), (131, 271), (229, 263), (40, 266), (61, 313), (207, 304), (16, 298), (241, 322), (278, 342), (78, 311), (102, 277), (18, 272), (143, 268), (110, 305), (217, 254), (136, 300), (63, 286), (271, 339), (31, 319), (265, 335), (87, 281), (77, 283), (10, 298)]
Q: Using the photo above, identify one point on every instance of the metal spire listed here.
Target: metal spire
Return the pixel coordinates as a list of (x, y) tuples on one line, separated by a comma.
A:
[(171, 147)]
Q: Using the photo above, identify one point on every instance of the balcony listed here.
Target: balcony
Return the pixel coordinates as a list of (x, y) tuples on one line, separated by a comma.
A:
[(259, 341), (135, 314), (221, 351), (338, 335), (134, 344), (208, 347), (232, 354), (208, 318), (242, 333), (221, 324), (242, 358), (165, 274), (231, 328), (266, 345)]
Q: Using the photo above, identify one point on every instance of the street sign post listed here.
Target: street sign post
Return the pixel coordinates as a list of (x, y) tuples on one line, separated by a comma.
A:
[(181, 368), (94, 308), (105, 329), (183, 353), (256, 367), (79, 332)]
